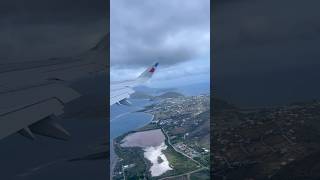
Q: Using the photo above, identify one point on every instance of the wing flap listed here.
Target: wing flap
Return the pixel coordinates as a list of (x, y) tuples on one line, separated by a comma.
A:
[(49, 127), (19, 119), (22, 108), (32, 91), (120, 94), (13, 100), (26, 132)]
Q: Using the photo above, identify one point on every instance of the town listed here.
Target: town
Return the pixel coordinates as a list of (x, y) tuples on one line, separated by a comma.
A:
[(185, 122), (263, 140)]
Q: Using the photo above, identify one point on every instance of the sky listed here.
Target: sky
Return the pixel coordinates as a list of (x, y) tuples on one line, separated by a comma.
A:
[(266, 52), (175, 33), (38, 30)]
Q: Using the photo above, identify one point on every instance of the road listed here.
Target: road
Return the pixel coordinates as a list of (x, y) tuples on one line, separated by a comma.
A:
[(167, 136), (201, 167), (185, 174)]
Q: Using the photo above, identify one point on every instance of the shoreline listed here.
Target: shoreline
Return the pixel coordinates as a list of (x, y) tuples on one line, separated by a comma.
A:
[(114, 161), (180, 159)]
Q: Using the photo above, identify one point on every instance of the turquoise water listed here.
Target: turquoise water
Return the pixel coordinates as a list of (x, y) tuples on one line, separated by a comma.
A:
[(125, 118), (128, 123)]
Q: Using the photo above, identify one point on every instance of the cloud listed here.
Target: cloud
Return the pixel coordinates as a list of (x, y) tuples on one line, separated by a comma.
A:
[(170, 32), (264, 50), (263, 36), (39, 29), (58, 11)]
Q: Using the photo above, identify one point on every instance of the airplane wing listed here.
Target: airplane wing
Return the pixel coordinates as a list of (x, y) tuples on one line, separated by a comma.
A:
[(33, 93), (121, 91)]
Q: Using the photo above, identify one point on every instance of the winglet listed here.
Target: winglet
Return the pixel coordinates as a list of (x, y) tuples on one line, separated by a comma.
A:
[(147, 74)]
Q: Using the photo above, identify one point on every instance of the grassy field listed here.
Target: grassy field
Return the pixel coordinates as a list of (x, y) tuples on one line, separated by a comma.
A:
[(200, 175), (149, 126)]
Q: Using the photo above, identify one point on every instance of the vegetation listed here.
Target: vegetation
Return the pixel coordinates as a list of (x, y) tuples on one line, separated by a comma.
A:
[(149, 126), (132, 155), (200, 175), (178, 162)]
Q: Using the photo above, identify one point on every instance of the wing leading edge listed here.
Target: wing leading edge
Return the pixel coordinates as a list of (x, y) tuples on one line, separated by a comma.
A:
[(121, 91)]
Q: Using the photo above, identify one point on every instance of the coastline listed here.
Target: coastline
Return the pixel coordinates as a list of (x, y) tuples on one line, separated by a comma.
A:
[(115, 159)]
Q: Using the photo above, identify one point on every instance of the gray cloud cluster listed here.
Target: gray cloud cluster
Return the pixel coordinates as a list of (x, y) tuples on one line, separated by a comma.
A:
[(257, 35), (266, 52), (40, 29), (144, 31), (58, 11)]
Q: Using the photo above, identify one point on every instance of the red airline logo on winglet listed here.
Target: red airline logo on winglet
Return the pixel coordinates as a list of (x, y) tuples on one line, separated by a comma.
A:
[(152, 70)]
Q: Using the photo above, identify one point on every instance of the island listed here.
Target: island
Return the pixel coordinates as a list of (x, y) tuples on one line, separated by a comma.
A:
[(174, 145)]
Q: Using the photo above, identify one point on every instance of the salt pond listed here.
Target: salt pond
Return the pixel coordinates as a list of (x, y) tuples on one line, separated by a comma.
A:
[(152, 142), (144, 139), (153, 154)]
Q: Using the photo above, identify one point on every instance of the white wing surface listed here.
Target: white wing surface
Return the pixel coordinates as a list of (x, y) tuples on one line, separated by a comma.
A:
[(121, 91), (33, 93)]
